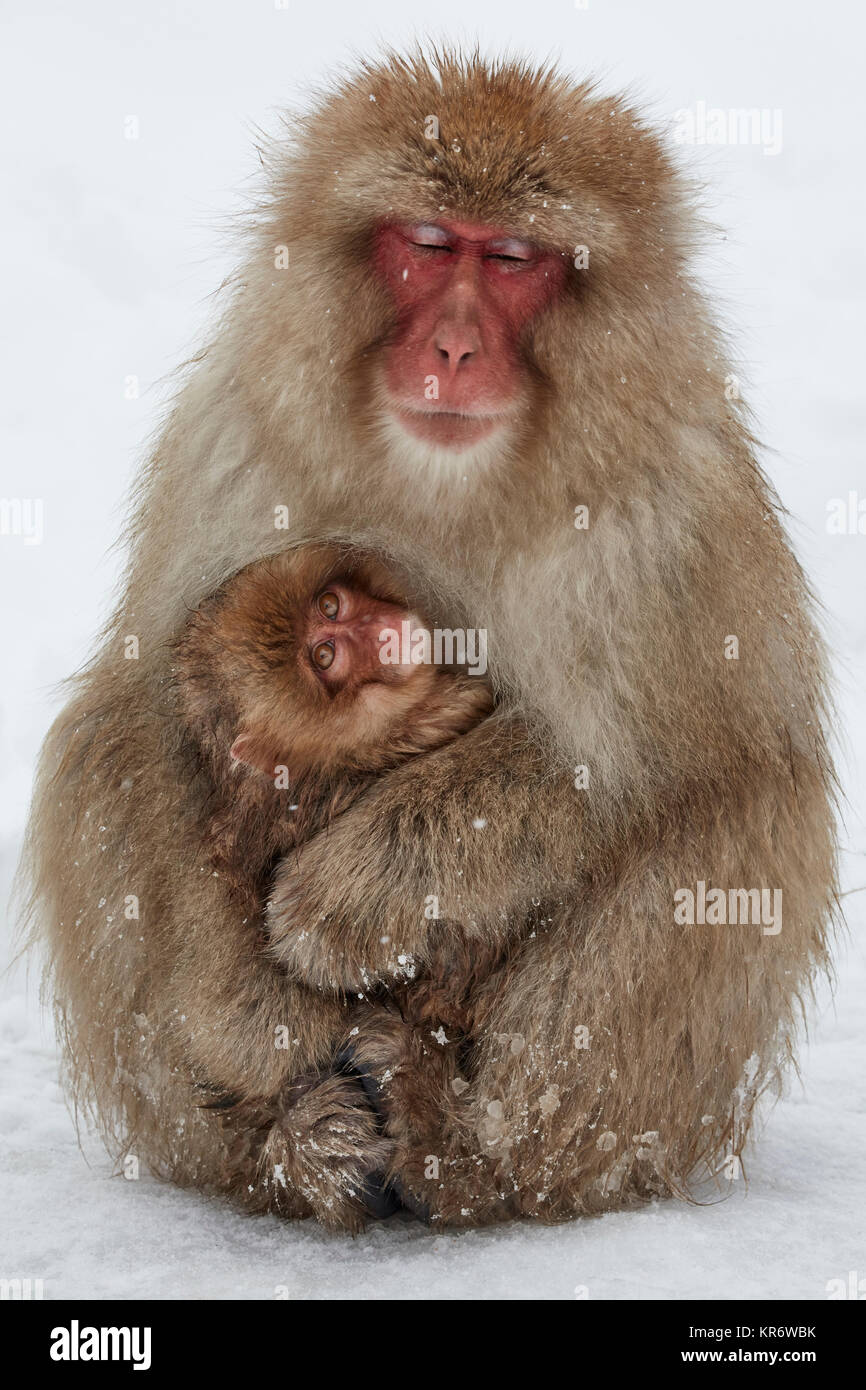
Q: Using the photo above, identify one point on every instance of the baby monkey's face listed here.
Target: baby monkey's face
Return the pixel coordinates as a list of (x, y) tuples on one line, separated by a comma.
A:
[(345, 639), (301, 645)]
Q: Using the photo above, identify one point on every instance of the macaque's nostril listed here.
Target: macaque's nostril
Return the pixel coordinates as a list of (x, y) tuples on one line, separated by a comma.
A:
[(455, 345), (323, 655), (328, 605)]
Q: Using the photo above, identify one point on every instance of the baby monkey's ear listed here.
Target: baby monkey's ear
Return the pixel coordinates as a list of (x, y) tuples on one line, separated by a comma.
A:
[(253, 751)]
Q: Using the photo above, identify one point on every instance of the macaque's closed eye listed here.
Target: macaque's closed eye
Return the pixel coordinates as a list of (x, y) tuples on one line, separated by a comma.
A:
[(435, 239)]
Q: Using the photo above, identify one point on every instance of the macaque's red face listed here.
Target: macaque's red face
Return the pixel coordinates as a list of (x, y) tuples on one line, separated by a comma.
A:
[(343, 639), (464, 294), (323, 695)]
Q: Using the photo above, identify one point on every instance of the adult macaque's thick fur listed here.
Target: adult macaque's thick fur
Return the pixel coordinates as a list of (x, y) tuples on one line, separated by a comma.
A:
[(618, 1049)]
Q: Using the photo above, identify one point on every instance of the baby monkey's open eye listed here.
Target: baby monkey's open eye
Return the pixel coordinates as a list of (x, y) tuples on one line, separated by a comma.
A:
[(328, 605), (323, 655)]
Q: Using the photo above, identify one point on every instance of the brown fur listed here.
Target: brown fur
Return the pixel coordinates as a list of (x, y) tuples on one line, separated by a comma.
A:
[(239, 670), (607, 650), (242, 668)]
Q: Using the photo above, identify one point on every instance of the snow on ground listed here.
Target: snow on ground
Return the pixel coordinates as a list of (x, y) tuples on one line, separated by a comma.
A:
[(113, 250), (797, 1223)]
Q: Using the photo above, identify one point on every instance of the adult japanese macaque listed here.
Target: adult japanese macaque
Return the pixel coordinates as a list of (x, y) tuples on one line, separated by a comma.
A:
[(465, 338)]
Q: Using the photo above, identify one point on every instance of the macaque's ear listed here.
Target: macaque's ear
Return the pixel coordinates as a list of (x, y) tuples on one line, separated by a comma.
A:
[(256, 753)]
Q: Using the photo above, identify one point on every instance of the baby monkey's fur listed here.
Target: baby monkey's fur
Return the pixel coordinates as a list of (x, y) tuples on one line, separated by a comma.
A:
[(284, 753)]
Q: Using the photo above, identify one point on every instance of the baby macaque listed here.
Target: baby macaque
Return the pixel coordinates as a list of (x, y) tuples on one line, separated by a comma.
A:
[(283, 687)]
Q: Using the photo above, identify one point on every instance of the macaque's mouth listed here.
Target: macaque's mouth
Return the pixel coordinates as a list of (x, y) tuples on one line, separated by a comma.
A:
[(451, 428)]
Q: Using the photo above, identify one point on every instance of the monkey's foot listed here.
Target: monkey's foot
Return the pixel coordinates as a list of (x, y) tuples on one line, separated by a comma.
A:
[(327, 1146), (408, 1071), (459, 1187)]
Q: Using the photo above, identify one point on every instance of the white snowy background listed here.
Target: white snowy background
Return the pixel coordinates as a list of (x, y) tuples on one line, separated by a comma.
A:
[(110, 249)]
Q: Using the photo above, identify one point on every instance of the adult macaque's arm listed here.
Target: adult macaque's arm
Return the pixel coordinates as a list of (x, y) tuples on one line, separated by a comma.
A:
[(468, 834), (242, 1028)]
